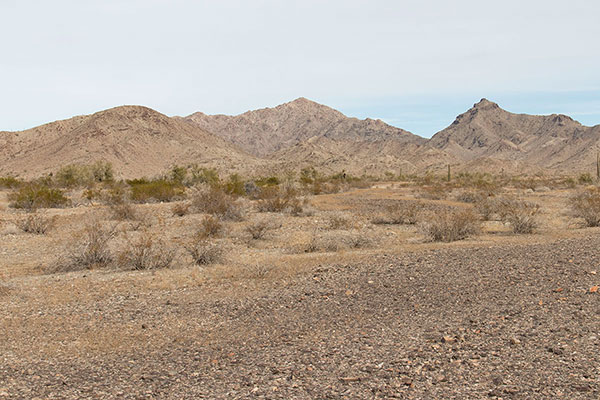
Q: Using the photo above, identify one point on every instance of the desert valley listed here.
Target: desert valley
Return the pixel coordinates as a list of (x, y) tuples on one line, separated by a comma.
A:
[(294, 252)]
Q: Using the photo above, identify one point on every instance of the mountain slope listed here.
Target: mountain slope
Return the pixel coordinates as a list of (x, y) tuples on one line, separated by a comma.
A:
[(487, 131), (138, 141), (262, 132)]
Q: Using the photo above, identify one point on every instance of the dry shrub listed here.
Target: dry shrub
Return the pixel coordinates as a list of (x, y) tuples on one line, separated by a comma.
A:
[(400, 213), (90, 249), (203, 252), (433, 192), (449, 225), (486, 207), (216, 202), (259, 229), (210, 226), (123, 212), (147, 252), (336, 241), (469, 196), (273, 199), (36, 223), (586, 205), (337, 221), (520, 214), (180, 209)]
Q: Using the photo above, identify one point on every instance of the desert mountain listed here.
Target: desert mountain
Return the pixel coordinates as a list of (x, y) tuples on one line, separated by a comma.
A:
[(138, 142), (487, 132), (268, 130)]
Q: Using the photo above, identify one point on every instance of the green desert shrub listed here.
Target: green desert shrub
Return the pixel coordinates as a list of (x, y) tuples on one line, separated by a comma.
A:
[(143, 191), (33, 196)]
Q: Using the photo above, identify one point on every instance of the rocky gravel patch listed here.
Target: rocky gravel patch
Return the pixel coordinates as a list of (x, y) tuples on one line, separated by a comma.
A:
[(502, 322)]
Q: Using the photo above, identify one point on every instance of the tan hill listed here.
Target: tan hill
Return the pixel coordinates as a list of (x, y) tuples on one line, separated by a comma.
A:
[(488, 135), (138, 141), (268, 130)]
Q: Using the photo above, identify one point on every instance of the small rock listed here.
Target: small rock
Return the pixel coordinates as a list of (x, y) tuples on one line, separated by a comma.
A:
[(448, 339)]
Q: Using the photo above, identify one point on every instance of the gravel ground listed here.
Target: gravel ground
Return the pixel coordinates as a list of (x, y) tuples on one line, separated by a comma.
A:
[(511, 322)]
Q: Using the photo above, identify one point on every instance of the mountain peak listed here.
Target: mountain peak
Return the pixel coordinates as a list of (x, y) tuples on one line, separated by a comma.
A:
[(485, 104)]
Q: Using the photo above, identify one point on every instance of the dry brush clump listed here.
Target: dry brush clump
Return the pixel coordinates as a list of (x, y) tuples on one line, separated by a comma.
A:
[(275, 199), (258, 229), (36, 223), (215, 201), (180, 209), (586, 205), (203, 251), (335, 241), (400, 213), (146, 252), (90, 249), (210, 226), (449, 225), (337, 221), (521, 215)]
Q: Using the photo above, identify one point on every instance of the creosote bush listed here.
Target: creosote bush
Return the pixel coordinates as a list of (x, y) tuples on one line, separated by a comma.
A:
[(36, 223), (34, 196), (520, 214), (586, 205), (143, 191), (449, 225)]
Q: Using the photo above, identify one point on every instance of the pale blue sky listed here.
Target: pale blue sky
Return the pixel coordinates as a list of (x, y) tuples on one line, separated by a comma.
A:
[(414, 64)]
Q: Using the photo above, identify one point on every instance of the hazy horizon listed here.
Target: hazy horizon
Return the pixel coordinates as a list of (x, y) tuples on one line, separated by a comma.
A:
[(415, 66)]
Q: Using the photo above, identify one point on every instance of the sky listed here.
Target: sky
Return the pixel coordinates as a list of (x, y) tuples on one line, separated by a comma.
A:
[(413, 64)]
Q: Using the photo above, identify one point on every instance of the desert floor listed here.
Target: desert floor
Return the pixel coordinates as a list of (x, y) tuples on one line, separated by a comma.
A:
[(391, 315)]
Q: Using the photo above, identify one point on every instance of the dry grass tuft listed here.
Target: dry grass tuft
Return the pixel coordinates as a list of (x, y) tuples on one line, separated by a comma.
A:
[(586, 205), (36, 223), (449, 225)]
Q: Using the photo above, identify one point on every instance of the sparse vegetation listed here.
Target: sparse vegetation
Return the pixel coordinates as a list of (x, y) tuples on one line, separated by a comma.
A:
[(161, 190), (180, 209), (146, 252), (586, 205), (258, 229), (210, 226), (34, 196), (36, 223), (90, 249), (203, 252), (449, 225), (520, 214), (215, 201), (401, 213)]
